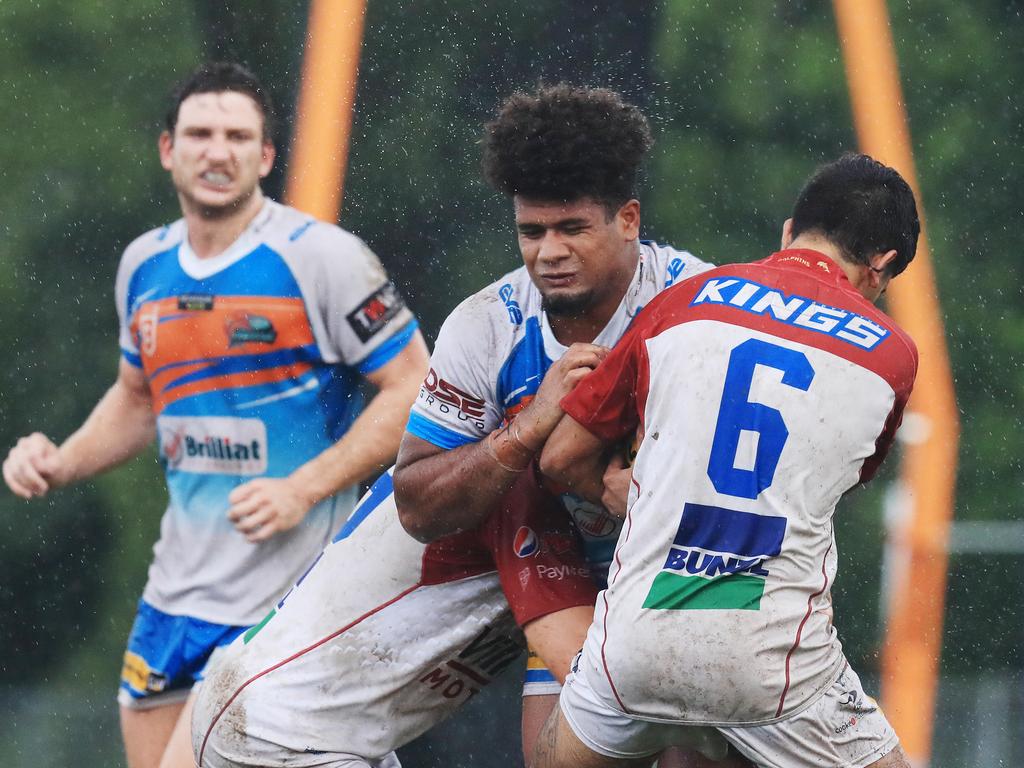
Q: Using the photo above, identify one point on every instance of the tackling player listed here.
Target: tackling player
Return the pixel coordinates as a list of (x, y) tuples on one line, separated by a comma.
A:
[(763, 393), (245, 327), (569, 158), (384, 637), (361, 648)]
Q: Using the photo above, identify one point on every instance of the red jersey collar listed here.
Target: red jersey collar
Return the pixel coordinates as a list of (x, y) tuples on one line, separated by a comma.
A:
[(807, 260)]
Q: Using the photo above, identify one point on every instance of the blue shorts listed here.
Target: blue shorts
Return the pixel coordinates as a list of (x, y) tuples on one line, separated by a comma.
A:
[(167, 655)]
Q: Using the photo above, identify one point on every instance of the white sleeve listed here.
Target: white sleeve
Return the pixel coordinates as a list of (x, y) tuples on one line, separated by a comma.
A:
[(361, 317), (457, 402), (134, 255)]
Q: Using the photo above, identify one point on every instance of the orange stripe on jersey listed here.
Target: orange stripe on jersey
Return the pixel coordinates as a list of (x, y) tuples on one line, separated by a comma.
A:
[(513, 410), (161, 379), (229, 381), (236, 325)]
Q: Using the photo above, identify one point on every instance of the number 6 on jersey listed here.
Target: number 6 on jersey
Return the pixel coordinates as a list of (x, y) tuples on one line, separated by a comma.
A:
[(737, 414)]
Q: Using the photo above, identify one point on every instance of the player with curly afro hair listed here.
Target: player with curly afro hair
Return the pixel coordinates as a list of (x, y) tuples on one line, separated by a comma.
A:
[(569, 157), (566, 142)]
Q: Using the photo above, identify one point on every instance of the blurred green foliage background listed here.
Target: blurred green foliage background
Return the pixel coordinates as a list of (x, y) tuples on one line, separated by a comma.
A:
[(745, 97)]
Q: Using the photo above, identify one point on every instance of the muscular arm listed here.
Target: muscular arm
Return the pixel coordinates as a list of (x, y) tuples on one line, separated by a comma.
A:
[(266, 506), (440, 491), (120, 427)]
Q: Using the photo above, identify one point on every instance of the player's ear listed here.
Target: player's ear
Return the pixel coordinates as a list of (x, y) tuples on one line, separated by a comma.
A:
[(628, 217), (787, 233), (267, 161), (165, 144), (881, 261)]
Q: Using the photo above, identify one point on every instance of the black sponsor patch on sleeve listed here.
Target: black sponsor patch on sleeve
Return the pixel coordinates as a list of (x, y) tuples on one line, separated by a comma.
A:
[(374, 312)]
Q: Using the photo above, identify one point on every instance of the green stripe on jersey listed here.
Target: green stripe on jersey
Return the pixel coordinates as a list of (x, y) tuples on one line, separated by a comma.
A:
[(673, 592), (252, 631)]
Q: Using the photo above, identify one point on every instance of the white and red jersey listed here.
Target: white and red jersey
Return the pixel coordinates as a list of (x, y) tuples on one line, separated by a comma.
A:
[(765, 391), (384, 636), (253, 359), (493, 351)]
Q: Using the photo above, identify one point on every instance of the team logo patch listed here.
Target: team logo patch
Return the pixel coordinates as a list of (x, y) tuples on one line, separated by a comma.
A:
[(247, 328), (525, 543), (717, 560), (374, 312), (592, 521)]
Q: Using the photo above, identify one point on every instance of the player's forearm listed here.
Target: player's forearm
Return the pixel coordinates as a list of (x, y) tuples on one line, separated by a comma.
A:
[(119, 428), (572, 458), (367, 448), (441, 492)]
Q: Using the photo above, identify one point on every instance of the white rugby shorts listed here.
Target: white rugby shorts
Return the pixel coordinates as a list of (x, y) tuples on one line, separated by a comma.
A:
[(843, 728)]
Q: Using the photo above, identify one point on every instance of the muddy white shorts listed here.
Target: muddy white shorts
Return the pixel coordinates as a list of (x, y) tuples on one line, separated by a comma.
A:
[(843, 728)]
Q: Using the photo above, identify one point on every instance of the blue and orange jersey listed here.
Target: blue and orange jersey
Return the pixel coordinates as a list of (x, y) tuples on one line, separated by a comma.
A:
[(253, 359)]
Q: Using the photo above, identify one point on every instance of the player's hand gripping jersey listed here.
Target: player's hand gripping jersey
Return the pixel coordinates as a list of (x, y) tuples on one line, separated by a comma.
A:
[(384, 636), (493, 351), (722, 578), (252, 358)]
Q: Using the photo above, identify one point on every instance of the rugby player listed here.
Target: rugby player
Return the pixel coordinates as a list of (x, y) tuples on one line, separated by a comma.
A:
[(358, 660), (762, 392), (245, 327), (569, 158)]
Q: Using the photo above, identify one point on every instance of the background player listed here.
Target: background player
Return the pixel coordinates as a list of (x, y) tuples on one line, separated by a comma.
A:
[(764, 391), (244, 328)]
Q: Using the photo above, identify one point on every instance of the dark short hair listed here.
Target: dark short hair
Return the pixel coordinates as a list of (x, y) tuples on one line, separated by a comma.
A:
[(566, 142), (861, 206), (217, 77)]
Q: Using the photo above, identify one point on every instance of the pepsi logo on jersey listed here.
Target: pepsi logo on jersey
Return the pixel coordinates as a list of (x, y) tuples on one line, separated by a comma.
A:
[(525, 543)]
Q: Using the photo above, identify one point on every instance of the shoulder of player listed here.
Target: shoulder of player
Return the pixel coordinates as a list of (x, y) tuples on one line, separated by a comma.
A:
[(156, 241), (669, 265), (299, 235), (504, 303)]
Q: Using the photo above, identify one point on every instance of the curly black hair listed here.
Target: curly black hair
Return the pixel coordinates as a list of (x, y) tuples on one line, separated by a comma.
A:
[(566, 142)]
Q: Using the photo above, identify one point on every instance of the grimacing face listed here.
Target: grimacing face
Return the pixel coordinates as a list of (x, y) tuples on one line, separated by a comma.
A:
[(577, 257), (217, 155)]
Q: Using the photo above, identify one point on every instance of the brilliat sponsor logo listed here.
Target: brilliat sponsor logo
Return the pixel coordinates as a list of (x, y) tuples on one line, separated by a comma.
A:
[(214, 445)]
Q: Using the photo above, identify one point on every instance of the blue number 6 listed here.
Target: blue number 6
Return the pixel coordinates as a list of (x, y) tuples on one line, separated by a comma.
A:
[(738, 414)]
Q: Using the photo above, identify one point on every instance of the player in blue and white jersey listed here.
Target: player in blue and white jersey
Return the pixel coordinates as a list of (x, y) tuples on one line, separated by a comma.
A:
[(568, 157), (246, 327), (762, 393)]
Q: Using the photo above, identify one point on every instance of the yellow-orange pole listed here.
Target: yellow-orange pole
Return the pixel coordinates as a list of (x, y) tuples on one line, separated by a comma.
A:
[(913, 642), (323, 124)]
